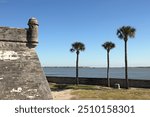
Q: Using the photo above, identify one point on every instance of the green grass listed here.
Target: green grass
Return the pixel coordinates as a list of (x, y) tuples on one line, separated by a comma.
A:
[(112, 94), (83, 92)]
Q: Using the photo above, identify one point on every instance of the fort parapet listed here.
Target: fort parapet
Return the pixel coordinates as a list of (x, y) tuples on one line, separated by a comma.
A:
[(21, 74)]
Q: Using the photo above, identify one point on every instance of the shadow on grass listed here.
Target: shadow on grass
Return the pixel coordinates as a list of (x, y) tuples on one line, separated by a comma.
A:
[(61, 87)]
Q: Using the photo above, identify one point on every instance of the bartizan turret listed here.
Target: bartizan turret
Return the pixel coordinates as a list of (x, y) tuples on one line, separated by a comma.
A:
[(33, 32)]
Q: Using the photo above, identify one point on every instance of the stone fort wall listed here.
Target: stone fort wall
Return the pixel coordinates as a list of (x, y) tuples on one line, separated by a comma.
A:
[(21, 74), (100, 81)]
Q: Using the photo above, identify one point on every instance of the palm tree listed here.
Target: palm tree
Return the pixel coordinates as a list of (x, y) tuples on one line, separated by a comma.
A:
[(77, 47), (124, 33), (108, 46)]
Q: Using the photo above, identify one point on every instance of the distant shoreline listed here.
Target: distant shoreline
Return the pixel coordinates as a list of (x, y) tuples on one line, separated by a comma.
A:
[(90, 67)]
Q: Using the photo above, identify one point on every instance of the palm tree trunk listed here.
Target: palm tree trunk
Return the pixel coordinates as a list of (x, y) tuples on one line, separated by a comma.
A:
[(126, 66), (77, 61), (108, 80)]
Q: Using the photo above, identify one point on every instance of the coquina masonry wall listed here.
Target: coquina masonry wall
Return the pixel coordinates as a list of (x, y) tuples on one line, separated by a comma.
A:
[(100, 81), (21, 75)]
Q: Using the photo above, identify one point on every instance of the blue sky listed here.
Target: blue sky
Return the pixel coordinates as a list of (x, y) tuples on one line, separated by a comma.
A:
[(92, 22)]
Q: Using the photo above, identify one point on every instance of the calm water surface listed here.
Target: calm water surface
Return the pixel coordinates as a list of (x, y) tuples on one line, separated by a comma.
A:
[(134, 73)]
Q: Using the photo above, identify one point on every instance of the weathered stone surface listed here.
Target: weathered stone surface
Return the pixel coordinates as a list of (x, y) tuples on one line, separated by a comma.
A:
[(13, 34), (21, 75)]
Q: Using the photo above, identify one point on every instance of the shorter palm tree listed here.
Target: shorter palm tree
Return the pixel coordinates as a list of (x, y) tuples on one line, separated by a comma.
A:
[(108, 46), (77, 47)]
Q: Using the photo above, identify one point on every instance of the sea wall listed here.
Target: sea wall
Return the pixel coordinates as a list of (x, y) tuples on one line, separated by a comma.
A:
[(99, 81), (21, 74)]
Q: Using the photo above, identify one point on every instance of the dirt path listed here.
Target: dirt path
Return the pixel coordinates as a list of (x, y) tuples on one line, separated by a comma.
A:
[(62, 95)]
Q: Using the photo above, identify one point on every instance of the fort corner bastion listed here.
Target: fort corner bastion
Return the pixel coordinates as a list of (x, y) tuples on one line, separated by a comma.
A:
[(21, 75)]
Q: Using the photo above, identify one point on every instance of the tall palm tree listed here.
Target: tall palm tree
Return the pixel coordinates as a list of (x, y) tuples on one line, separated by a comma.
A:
[(124, 33), (77, 47), (108, 46)]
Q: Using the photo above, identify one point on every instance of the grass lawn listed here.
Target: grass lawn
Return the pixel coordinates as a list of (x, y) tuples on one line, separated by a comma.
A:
[(93, 92)]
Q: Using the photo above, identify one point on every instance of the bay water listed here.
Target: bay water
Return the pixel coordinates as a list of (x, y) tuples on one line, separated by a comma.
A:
[(142, 73)]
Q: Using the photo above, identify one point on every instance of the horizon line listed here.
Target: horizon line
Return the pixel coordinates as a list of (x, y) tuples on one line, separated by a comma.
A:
[(101, 67)]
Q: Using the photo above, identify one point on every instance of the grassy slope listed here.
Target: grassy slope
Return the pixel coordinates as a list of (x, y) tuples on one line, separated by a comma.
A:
[(98, 92)]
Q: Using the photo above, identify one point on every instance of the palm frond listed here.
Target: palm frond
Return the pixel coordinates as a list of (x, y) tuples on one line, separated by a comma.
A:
[(126, 31), (78, 46), (72, 50), (108, 45)]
